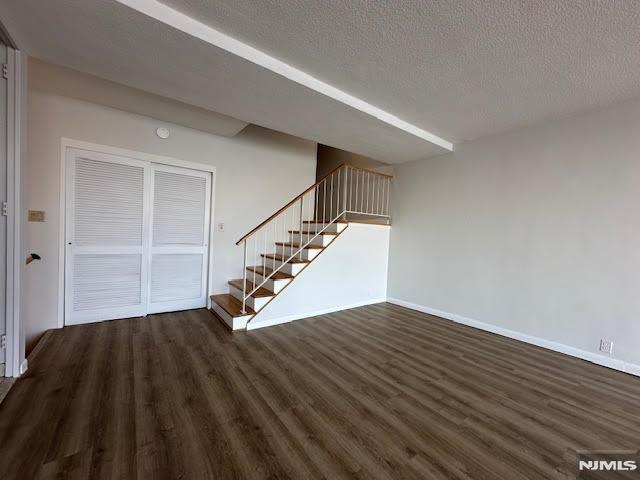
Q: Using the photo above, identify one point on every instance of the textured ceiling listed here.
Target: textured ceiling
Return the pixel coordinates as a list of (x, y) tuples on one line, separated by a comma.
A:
[(115, 42), (461, 69)]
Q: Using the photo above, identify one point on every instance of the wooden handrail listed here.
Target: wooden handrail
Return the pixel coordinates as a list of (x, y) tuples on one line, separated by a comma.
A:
[(342, 165), (290, 203)]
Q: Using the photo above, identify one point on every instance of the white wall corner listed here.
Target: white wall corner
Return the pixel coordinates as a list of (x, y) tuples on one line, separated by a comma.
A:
[(602, 360)]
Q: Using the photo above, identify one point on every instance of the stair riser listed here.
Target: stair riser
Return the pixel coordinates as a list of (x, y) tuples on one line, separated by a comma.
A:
[(255, 303), (305, 254), (274, 286), (258, 281), (333, 228), (289, 268), (235, 323), (321, 240)]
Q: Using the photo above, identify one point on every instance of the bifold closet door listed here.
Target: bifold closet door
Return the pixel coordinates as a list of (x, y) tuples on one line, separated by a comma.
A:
[(106, 236), (178, 260)]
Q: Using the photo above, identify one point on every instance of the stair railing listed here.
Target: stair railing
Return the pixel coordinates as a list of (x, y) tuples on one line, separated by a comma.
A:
[(344, 190)]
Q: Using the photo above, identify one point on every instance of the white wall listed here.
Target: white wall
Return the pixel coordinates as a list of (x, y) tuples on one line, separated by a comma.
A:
[(257, 172), (351, 272), (535, 231), (58, 80)]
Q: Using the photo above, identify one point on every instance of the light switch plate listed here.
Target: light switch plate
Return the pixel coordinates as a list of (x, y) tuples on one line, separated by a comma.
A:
[(36, 216)]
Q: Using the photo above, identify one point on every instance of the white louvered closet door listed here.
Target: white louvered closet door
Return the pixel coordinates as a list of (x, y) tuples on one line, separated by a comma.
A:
[(179, 241), (106, 236)]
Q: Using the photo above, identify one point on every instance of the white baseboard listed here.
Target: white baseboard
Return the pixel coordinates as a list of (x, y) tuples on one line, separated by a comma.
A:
[(291, 318), (24, 366), (603, 360)]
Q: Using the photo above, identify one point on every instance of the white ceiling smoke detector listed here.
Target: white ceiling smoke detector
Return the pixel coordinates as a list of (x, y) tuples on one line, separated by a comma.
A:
[(163, 132)]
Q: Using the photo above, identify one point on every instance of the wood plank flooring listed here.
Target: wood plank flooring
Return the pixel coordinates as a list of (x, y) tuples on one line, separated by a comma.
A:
[(377, 392), (5, 385)]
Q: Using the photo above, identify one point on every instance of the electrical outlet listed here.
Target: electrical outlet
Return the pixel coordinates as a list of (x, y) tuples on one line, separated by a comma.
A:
[(606, 346), (221, 227)]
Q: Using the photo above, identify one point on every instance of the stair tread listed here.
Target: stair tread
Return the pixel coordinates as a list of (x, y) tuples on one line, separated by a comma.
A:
[(313, 233), (297, 245), (325, 223), (283, 258), (266, 271), (231, 305), (260, 293)]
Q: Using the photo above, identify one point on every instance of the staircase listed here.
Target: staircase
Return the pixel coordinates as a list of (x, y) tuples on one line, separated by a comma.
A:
[(276, 251)]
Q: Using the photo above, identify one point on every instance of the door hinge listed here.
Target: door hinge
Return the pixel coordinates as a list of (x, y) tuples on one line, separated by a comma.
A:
[(5, 70), (3, 342), (5, 209)]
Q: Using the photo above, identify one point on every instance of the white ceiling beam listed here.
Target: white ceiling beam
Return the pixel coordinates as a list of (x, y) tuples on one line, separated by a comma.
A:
[(194, 28)]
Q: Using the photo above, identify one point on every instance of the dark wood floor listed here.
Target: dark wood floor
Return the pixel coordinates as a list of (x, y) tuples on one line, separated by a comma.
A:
[(5, 385), (374, 392)]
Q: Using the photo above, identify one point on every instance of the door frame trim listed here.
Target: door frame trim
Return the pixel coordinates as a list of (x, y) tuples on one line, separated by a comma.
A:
[(15, 361), (66, 143)]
